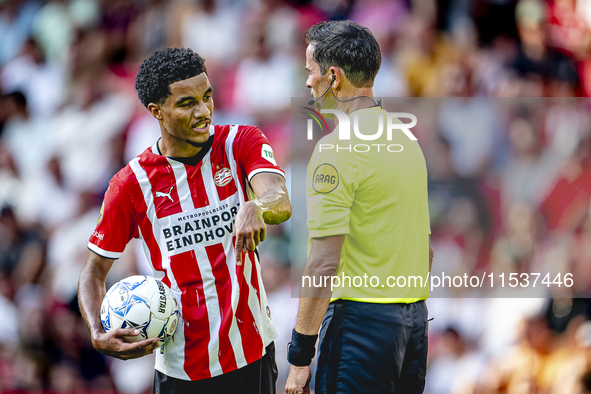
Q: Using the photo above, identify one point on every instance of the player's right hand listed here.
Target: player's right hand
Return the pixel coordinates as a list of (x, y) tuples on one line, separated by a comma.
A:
[(111, 344), (250, 229)]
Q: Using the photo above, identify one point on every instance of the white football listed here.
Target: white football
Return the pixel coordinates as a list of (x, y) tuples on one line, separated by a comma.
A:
[(141, 302)]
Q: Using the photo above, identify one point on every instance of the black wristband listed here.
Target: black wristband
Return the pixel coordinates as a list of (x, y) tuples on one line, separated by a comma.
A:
[(301, 349)]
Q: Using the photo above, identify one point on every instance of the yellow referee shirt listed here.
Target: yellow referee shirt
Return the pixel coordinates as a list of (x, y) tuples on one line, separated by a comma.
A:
[(375, 192)]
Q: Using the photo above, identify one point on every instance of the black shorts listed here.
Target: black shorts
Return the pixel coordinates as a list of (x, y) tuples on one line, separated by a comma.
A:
[(259, 377), (373, 348)]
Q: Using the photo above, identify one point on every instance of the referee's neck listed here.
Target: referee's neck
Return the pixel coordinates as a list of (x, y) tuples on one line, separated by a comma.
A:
[(361, 99)]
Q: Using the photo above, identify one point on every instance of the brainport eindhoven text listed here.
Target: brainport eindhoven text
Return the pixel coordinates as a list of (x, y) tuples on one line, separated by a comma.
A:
[(195, 230)]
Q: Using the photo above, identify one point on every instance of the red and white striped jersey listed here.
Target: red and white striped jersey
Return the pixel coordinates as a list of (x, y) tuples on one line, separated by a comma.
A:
[(185, 217)]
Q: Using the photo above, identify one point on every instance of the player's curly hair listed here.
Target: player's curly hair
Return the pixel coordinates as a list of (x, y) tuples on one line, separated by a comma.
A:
[(164, 67)]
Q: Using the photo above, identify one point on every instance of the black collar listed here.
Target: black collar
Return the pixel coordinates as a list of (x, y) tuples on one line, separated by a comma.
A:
[(193, 160)]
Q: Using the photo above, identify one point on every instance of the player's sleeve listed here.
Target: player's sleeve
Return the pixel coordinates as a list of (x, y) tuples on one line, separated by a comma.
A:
[(332, 180), (254, 153), (116, 224)]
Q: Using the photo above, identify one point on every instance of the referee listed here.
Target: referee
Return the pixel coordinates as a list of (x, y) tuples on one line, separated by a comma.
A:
[(367, 215)]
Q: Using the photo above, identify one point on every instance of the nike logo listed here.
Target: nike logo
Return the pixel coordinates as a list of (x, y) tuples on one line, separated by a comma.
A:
[(162, 194)]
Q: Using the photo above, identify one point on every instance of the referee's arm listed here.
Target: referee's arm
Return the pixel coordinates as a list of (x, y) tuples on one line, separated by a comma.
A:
[(323, 262)]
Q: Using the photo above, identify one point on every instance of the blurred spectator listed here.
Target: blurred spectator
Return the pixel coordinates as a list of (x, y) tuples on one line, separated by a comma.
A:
[(41, 83), (389, 82), (153, 29), (420, 54), (142, 371), (10, 184), (66, 250), (531, 365), (85, 135), (21, 252), (531, 171), (568, 203), (45, 198), (26, 138), (380, 16), (456, 368), (275, 256), (536, 59), (143, 133), (53, 28), (264, 81), (212, 31), (16, 19), (39, 195), (472, 128)]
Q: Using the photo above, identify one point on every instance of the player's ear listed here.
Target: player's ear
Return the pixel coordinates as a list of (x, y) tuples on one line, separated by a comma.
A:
[(155, 110)]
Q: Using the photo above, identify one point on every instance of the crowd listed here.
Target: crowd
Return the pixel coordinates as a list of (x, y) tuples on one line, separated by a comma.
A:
[(509, 179)]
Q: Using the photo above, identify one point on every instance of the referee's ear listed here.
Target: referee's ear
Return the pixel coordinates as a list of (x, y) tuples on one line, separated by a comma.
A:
[(335, 74), (155, 110), (337, 77)]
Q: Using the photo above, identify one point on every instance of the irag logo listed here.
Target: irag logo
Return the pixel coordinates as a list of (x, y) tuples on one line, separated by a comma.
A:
[(222, 177), (393, 123)]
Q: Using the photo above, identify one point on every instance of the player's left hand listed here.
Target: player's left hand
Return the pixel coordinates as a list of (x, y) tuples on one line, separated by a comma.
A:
[(298, 381), (250, 229)]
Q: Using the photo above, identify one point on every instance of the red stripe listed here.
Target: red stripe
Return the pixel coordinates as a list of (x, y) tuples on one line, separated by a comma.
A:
[(252, 342), (186, 271), (195, 181), (219, 161), (223, 285), (239, 176), (161, 177), (145, 225)]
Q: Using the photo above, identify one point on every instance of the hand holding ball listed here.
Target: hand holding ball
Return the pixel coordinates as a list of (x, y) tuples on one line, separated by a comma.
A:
[(143, 303)]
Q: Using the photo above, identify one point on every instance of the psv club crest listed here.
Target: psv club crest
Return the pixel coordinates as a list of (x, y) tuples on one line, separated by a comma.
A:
[(222, 177)]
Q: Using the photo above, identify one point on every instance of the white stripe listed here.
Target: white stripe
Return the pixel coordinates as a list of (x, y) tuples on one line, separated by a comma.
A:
[(268, 329), (232, 161), (178, 345), (183, 190), (104, 253), (212, 305), (254, 172), (155, 148), (253, 302), (234, 333), (235, 336), (208, 179), (212, 302)]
